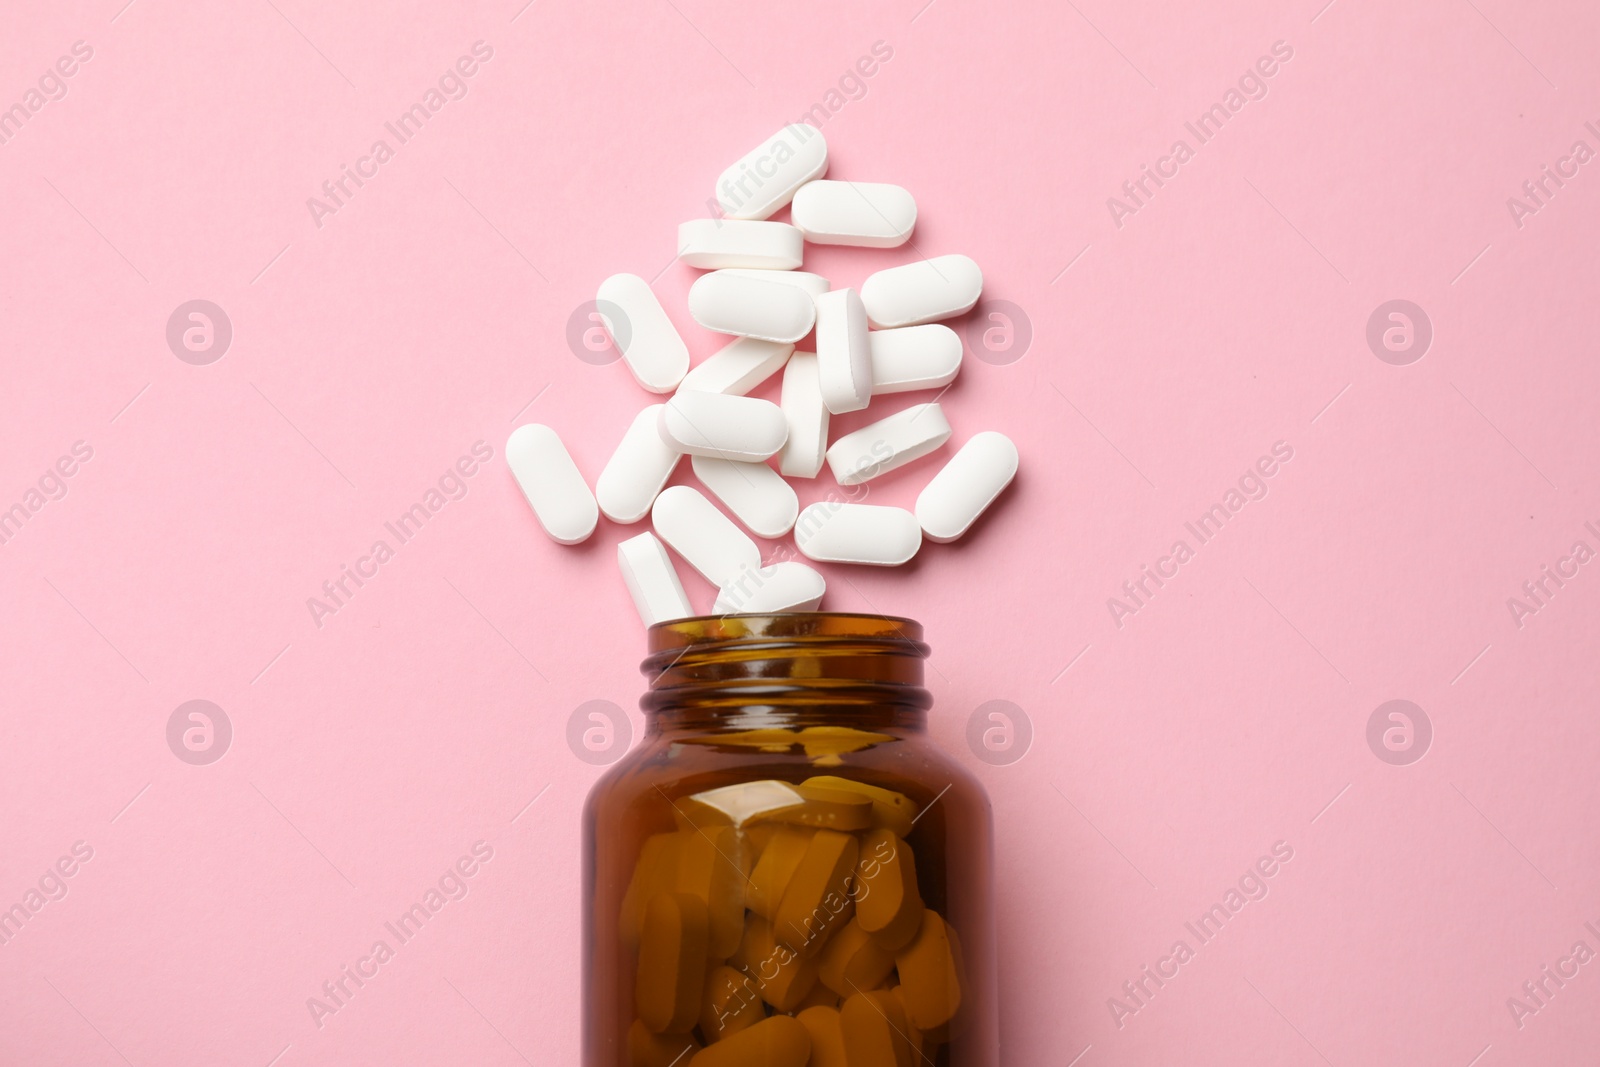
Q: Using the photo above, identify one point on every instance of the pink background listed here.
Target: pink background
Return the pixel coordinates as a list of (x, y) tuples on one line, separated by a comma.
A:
[(429, 313)]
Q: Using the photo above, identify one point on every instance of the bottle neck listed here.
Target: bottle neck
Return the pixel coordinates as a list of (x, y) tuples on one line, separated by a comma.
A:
[(800, 669)]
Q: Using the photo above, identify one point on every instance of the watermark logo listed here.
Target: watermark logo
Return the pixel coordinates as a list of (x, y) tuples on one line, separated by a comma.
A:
[(454, 884), (1252, 85), (999, 332), (999, 732), (51, 486), (199, 732), (1138, 592), (1537, 592), (1399, 732), (1538, 191), (50, 887), (199, 332), (1399, 332), (453, 84), (451, 485), (50, 87), (1538, 991), (598, 331), (599, 732), (1251, 887)]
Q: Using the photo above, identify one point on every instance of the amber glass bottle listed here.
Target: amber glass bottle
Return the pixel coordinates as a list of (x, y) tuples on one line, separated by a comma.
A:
[(786, 868)]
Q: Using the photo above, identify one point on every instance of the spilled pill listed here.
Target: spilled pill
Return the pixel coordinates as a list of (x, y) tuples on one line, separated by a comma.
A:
[(637, 470), (651, 580), (806, 417), (966, 486), (751, 306), (844, 351), (924, 291), (912, 357), (560, 498), (712, 244), (705, 537), (834, 532), (649, 343), (765, 178), (723, 426), (887, 444), (755, 493), (737, 367), (813, 284), (782, 586), (861, 214)]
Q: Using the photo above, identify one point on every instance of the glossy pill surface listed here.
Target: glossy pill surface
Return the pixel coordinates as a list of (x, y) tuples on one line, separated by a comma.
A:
[(965, 486), (723, 426), (550, 481), (651, 580), (888, 444), (765, 178), (650, 344), (636, 471), (924, 291), (872, 534), (752, 306), (714, 244), (860, 214)]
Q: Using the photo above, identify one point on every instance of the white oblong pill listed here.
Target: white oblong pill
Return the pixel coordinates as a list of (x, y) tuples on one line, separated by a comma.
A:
[(705, 537), (783, 586), (765, 178), (859, 214), (836, 532), (913, 357), (815, 284), (930, 289), (806, 416), (752, 307), (755, 493), (648, 341), (738, 367), (722, 426), (888, 443), (966, 486), (637, 470), (712, 244), (844, 351), (550, 480), (652, 580)]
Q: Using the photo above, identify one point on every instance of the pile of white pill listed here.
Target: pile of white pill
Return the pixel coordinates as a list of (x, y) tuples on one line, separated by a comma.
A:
[(882, 340)]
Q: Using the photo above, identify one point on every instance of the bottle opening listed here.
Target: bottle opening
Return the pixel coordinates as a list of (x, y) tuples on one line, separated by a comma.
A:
[(786, 661)]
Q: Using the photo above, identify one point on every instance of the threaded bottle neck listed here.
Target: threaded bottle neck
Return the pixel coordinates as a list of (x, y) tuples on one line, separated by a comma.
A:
[(799, 668)]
